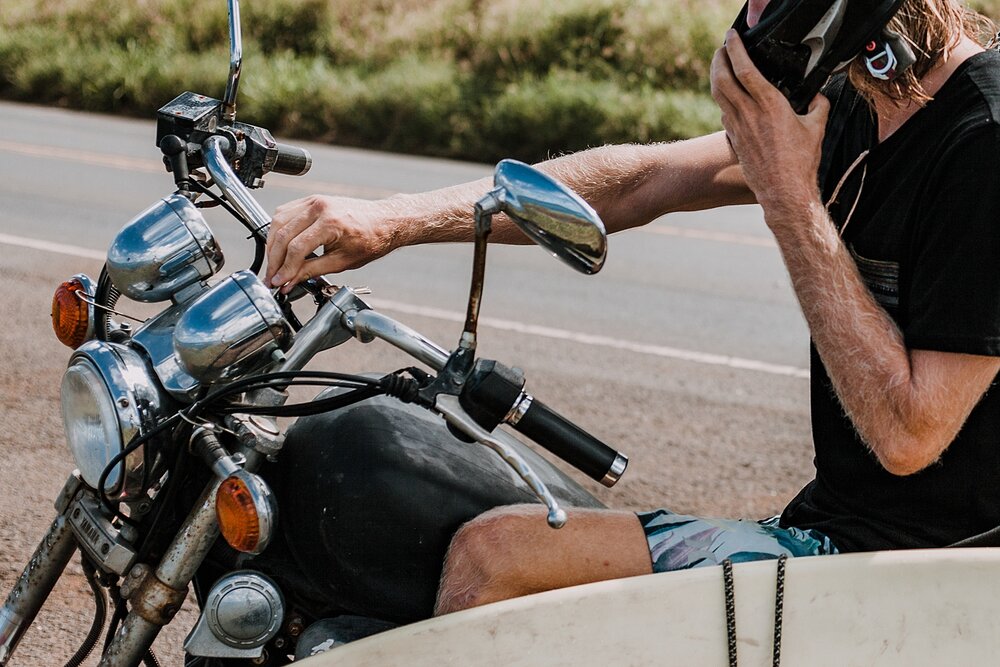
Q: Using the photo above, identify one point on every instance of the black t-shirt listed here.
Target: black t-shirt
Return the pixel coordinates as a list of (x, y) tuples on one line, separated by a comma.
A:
[(925, 234)]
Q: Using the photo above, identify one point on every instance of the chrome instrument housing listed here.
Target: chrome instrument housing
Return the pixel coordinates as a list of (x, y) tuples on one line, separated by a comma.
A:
[(230, 330), (109, 396), (163, 250)]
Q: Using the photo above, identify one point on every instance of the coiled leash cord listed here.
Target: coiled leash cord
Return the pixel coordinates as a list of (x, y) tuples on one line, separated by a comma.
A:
[(779, 604)]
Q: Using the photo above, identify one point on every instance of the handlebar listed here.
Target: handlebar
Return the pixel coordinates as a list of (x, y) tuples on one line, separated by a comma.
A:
[(496, 392), (292, 161), (568, 441)]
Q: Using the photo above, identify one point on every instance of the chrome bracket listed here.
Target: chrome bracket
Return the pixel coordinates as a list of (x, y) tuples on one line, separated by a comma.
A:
[(102, 541)]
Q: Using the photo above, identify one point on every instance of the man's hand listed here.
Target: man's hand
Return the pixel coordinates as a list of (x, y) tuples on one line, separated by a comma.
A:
[(778, 149), (352, 232)]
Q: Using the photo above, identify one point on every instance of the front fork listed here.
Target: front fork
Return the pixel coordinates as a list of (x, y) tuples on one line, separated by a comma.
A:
[(154, 596), (35, 584)]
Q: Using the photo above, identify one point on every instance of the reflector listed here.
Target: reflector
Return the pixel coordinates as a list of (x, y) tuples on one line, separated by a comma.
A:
[(237, 514), (70, 318)]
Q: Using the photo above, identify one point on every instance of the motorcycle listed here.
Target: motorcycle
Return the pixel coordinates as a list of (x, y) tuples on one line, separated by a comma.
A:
[(173, 426), (173, 423)]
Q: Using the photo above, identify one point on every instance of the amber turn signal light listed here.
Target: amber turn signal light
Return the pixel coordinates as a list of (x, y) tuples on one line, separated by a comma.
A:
[(244, 507), (70, 318)]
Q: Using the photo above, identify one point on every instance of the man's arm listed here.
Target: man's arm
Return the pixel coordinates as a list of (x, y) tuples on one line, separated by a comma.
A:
[(907, 405), (628, 185)]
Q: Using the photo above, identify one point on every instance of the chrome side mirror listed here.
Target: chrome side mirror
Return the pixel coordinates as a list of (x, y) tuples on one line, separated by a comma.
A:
[(551, 215)]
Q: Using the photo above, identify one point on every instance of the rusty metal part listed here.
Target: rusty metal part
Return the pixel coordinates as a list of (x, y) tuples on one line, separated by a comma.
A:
[(34, 585), (149, 597), (176, 569)]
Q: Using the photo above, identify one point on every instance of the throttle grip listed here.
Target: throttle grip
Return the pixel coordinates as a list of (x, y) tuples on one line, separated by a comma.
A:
[(495, 393), (570, 442), (292, 160)]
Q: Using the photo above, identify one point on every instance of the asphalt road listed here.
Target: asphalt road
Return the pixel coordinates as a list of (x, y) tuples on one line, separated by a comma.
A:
[(687, 351)]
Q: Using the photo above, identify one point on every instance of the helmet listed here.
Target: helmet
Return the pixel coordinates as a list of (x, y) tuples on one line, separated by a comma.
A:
[(798, 43)]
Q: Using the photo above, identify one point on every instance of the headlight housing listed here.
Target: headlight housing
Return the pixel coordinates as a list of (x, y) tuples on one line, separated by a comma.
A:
[(109, 396)]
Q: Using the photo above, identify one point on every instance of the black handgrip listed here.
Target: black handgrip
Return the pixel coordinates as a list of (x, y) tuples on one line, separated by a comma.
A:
[(572, 444), (292, 160)]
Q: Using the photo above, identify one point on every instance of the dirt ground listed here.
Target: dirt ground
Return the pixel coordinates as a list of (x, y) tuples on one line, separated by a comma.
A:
[(702, 440)]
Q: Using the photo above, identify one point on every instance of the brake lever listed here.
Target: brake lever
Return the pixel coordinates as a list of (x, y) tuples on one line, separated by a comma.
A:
[(449, 407)]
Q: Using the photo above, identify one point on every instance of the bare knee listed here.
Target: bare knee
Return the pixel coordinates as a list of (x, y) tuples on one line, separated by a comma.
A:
[(511, 551), (482, 563)]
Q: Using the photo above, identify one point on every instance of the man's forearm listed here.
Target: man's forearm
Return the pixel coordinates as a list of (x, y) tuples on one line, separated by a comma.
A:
[(904, 411), (628, 185)]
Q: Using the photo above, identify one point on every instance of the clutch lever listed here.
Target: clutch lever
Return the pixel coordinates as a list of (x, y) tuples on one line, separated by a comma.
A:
[(449, 407)]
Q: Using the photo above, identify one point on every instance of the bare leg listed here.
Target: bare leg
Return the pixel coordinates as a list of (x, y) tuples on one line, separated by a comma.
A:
[(511, 551)]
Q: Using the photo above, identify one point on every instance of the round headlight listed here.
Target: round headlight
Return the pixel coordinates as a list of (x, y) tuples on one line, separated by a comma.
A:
[(108, 397), (91, 423)]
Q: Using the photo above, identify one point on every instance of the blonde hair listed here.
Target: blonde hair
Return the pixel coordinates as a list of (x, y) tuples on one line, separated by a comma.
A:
[(932, 28)]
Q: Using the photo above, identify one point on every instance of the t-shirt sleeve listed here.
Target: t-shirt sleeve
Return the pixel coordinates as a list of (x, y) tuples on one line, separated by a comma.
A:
[(953, 289)]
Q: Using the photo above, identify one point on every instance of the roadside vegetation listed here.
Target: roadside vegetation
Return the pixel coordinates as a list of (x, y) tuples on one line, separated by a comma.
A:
[(457, 78)]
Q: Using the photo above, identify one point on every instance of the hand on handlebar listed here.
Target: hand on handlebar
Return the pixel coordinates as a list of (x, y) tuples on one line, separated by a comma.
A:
[(351, 232)]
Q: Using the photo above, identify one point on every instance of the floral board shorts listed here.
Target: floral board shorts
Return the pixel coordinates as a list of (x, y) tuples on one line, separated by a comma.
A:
[(680, 542)]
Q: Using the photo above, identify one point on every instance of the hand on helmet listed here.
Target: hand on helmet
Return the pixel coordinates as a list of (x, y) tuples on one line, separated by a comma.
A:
[(778, 150), (351, 233)]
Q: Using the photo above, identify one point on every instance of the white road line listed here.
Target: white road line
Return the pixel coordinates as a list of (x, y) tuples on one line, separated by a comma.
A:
[(598, 341), (496, 323), (47, 246)]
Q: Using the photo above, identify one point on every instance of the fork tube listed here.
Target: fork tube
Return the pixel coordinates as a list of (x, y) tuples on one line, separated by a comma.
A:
[(35, 584), (176, 570)]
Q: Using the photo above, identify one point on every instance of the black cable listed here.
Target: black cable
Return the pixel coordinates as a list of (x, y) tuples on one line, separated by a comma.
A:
[(258, 236), (149, 659), (309, 408), (116, 460), (100, 614), (121, 611), (395, 385), (259, 253), (175, 474), (248, 384), (255, 232)]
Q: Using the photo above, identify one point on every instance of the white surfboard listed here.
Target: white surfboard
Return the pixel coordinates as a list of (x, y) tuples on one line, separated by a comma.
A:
[(912, 608)]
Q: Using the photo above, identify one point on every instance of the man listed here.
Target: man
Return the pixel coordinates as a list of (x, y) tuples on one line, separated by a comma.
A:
[(885, 220)]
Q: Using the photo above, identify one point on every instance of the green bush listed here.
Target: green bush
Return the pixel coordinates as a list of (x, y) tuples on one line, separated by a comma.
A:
[(458, 78)]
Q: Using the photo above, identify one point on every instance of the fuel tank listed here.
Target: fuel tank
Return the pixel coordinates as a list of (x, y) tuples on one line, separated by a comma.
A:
[(369, 497)]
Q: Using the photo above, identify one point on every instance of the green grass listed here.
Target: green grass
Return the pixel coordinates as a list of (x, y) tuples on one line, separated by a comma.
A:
[(458, 78)]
